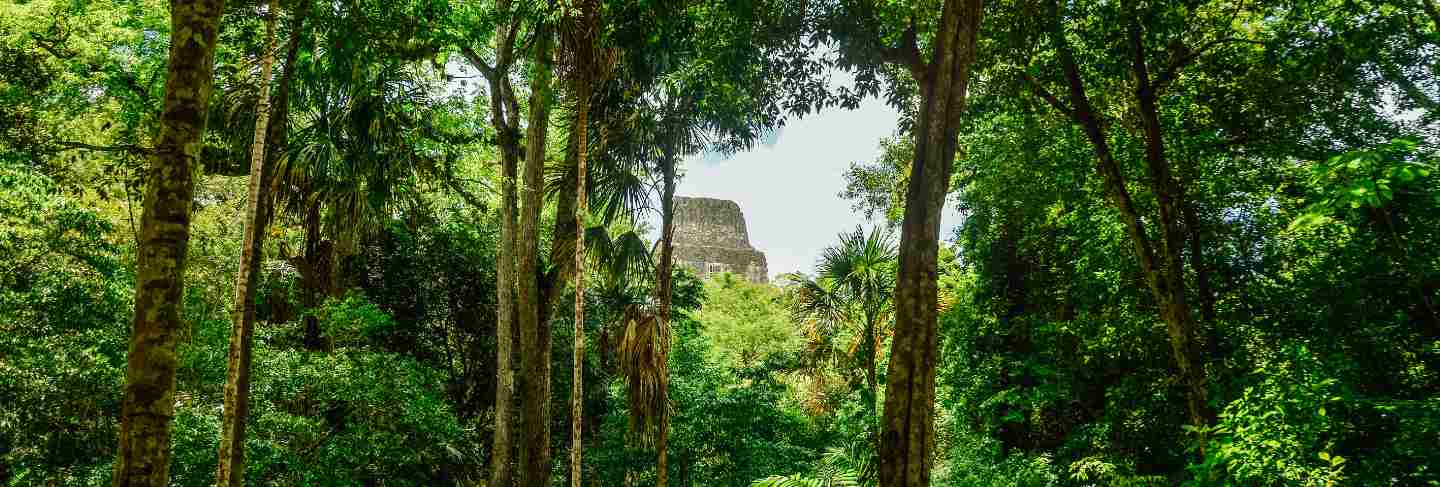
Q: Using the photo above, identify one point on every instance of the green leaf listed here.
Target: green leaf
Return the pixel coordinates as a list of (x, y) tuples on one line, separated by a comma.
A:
[(1307, 221)]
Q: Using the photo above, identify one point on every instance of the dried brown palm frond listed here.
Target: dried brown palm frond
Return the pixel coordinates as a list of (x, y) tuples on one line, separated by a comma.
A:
[(643, 351), (816, 397), (947, 298)]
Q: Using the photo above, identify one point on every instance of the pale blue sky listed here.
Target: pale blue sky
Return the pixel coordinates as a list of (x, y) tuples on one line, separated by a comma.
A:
[(790, 192)]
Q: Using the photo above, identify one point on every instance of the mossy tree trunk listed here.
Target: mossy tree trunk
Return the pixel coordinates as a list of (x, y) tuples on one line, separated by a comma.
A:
[(581, 37), (577, 385), (907, 439), (149, 404), (577, 379), (1170, 286), (535, 340)]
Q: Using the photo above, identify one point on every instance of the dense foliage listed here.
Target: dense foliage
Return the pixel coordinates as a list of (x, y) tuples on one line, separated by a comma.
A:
[(1200, 243)]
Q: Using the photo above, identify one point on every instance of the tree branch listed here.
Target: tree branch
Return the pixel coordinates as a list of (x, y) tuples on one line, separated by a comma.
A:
[(52, 46), (479, 63), (906, 54), (1188, 57), (1044, 94), (1409, 88), (470, 198), (125, 148)]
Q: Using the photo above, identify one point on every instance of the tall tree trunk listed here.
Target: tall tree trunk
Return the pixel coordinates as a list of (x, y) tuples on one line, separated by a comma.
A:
[(872, 379), (580, 37), (1203, 287), (908, 436), (1164, 273), (313, 276), (664, 283), (504, 119), (280, 110), (231, 469), (1180, 322), (502, 443), (534, 334), (149, 405), (552, 284), (577, 381), (504, 113)]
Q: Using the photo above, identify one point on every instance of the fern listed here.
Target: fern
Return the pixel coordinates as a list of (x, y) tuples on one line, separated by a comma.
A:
[(850, 465)]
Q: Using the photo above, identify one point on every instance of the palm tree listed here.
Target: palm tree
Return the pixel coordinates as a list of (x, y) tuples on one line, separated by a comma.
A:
[(583, 66), (352, 161), (853, 287)]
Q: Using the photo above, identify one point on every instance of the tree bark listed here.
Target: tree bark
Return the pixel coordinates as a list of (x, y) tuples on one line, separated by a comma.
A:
[(871, 395), (280, 110), (872, 353), (664, 284), (552, 284), (908, 435), (580, 39), (504, 113), (577, 382), (1203, 287), (534, 334), (502, 443), (314, 274), (149, 404), (503, 120), (231, 468)]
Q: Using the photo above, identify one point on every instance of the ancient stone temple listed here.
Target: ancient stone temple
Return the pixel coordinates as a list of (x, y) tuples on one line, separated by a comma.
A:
[(710, 238)]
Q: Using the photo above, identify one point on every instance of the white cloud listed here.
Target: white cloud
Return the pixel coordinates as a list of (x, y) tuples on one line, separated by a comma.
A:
[(789, 190)]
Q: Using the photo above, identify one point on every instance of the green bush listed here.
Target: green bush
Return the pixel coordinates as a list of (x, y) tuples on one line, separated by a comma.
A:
[(64, 311)]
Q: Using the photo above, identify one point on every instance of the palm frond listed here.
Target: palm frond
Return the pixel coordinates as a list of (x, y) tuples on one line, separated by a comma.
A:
[(816, 305), (621, 257), (643, 349), (850, 465)]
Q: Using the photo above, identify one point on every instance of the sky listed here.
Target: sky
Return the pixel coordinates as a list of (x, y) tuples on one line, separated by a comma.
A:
[(789, 188), (790, 191)]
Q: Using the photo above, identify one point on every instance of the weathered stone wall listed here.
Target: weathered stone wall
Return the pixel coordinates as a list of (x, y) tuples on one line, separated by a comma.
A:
[(710, 238), (710, 222)]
